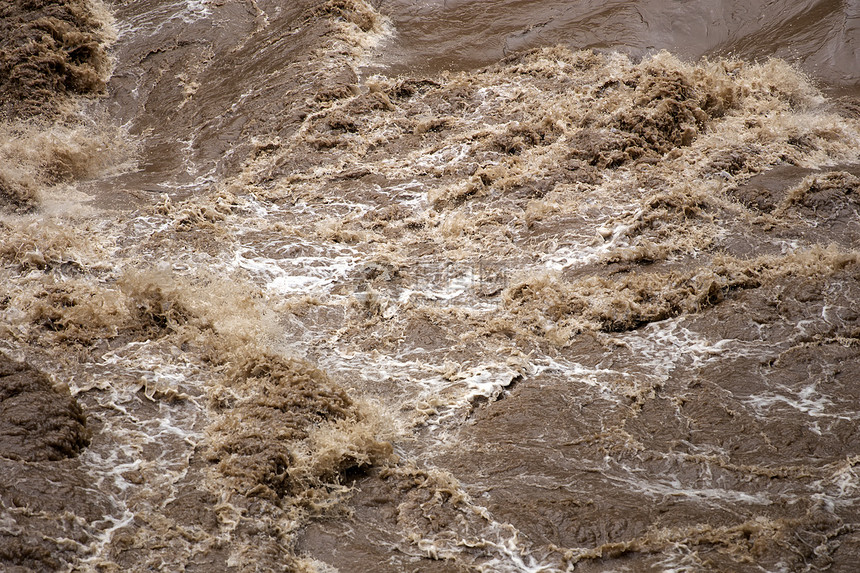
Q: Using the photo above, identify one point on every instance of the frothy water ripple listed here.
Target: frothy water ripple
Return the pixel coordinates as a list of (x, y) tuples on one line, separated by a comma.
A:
[(334, 296)]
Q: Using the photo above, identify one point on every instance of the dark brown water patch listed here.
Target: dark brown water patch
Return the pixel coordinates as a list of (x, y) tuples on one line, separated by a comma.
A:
[(829, 204), (373, 532), (459, 35), (765, 191), (48, 513), (732, 449), (51, 49), (49, 505), (555, 481), (38, 422)]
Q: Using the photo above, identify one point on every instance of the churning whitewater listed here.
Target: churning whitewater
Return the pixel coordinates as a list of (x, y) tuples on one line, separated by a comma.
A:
[(429, 286)]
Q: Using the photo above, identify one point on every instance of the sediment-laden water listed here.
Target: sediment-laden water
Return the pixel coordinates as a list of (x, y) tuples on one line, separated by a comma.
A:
[(429, 286)]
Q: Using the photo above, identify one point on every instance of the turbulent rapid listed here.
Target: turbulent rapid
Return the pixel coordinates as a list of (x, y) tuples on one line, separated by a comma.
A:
[(429, 286)]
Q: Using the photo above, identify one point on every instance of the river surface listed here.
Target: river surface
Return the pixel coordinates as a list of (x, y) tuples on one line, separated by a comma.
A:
[(442, 285)]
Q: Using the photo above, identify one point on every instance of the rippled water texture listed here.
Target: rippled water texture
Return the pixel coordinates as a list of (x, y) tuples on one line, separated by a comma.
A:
[(822, 36), (429, 286)]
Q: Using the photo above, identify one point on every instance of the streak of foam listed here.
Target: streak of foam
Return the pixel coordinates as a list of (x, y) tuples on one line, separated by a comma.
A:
[(663, 488), (107, 528), (808, 400), (152, 22), (437, 390), (192, 10), (666, 345), (282, 276), (157, 449)]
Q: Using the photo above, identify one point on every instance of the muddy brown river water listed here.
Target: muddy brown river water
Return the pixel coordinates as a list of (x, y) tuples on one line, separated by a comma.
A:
[(431, 286)]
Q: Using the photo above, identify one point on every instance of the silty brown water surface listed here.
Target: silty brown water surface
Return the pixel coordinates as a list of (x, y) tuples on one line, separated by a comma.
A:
[(420, 286)]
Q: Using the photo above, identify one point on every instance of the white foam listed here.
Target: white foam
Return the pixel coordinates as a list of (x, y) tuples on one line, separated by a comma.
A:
[(290, 276), (668, 486), (808, 400)]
